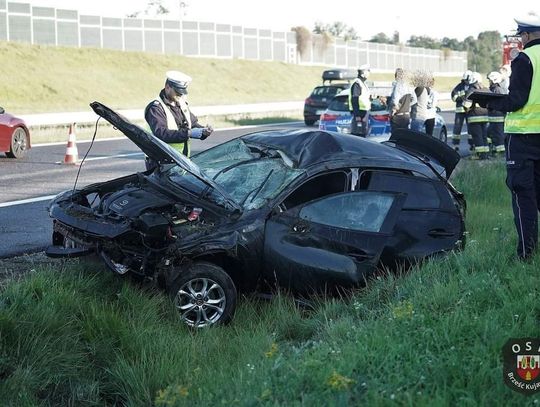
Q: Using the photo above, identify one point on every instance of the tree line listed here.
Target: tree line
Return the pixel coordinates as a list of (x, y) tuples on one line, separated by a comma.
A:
[(484, 53)]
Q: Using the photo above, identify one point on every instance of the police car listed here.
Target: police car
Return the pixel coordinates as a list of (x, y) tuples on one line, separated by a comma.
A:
[(338, 118), (334, 81)]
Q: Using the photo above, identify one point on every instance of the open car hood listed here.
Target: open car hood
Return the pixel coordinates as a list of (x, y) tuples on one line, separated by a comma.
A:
[(426, 148), (156, 149)]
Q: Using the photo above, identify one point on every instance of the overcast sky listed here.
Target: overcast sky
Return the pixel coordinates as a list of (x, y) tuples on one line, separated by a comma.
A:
[(436, 19)]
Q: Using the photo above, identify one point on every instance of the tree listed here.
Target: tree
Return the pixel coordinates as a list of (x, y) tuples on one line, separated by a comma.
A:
[(303, 39), (153, 8), (336, 29), (381, 38), (423, 41)]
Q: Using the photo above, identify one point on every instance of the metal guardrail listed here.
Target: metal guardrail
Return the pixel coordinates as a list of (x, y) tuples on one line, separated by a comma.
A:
[(62, 118)]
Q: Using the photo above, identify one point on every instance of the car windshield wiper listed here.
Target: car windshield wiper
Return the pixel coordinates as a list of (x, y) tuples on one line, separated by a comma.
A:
[(256, 191)]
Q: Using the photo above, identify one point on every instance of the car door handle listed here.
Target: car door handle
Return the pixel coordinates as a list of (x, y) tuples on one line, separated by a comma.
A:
[(299, 228), (440, 233)]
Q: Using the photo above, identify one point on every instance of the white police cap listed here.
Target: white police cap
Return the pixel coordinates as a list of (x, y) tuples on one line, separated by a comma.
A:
[(528, 23), (179, 81)]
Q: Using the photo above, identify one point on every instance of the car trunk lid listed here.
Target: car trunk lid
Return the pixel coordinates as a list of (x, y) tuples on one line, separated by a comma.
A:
[(426, 148)]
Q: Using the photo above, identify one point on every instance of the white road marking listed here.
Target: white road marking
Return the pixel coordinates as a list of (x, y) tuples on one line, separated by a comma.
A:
[(106, 157), (25, 201)]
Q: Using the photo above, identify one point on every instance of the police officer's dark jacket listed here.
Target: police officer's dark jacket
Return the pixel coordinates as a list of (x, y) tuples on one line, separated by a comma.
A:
[(157, 120)]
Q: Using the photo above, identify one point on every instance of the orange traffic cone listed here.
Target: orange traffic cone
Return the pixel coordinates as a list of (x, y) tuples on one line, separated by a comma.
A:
[(72, 154)]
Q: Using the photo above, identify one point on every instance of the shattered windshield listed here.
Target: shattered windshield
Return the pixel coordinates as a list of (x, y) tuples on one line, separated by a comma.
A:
[(250, 174)]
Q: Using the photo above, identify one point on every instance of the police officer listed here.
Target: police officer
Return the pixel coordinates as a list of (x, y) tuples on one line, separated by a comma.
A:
[(360, 102), (458, 96), (522, 127), (169, 117)]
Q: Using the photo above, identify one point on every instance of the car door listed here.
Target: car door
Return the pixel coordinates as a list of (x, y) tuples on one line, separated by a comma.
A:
[(429, 221), (333, 240)]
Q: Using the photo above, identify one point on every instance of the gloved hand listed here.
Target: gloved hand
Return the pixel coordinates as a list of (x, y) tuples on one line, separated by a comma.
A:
[(206, 132), (197, 132)]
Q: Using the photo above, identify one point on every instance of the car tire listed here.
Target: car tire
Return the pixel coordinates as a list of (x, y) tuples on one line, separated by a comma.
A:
[(443, 134), (309, 122), (204, 295), (18, 146)]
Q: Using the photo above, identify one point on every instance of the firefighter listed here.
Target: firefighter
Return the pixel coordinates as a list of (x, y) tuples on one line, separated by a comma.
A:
[(496, 117), (360, 102), (522, 128), (458, 96), (477, 120), (169, 117)]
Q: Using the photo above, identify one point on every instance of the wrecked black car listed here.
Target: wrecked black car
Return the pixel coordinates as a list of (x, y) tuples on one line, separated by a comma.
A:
[(305, 209)]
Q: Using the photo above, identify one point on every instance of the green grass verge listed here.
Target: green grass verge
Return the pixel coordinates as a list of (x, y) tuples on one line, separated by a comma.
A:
[(76, 335), (38, 79)]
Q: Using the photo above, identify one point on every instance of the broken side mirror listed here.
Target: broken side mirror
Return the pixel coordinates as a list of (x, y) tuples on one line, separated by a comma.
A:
[(2, 110)]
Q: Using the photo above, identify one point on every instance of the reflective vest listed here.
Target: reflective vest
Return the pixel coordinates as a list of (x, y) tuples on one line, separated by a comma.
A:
[(363, 100), (458, 95), (527, 119), (171, 125)]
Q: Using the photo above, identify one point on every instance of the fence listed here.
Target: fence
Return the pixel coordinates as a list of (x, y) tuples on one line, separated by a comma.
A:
[(49, 26)]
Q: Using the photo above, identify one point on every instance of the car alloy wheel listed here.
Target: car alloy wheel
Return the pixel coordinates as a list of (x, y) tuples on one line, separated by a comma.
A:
[(204, 295), (443, 136), (18, 144)]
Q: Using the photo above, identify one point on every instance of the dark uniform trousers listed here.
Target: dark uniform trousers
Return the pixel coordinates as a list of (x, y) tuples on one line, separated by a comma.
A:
[(459, 119), (523, 180), (359, 129)]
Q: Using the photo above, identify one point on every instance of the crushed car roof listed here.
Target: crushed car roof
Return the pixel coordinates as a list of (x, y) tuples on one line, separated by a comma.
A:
[(307, 148)]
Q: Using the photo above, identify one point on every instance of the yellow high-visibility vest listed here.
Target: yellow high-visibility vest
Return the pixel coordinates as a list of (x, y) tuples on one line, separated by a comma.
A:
[(171, 125), (527, 119), (364, 102)]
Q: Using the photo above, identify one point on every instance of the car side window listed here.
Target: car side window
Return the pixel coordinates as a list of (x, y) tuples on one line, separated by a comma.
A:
[(315, 188), (421, 192), (362, 211)]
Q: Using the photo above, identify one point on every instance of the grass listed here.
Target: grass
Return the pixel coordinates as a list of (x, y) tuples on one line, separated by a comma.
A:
[(76, 335), (39, 79)]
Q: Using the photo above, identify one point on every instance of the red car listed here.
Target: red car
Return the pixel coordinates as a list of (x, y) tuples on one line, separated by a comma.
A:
[(14, 135)]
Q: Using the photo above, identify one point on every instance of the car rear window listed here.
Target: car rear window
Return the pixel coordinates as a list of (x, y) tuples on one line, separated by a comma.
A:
[(339, 104), (421, 193), (326, 91)]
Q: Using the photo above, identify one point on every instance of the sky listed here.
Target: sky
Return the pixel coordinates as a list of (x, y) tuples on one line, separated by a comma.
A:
[(435, 19)]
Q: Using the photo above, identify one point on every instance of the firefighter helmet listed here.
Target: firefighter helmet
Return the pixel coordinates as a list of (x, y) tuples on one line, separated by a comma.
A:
[(476, 78), (467, 75)]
